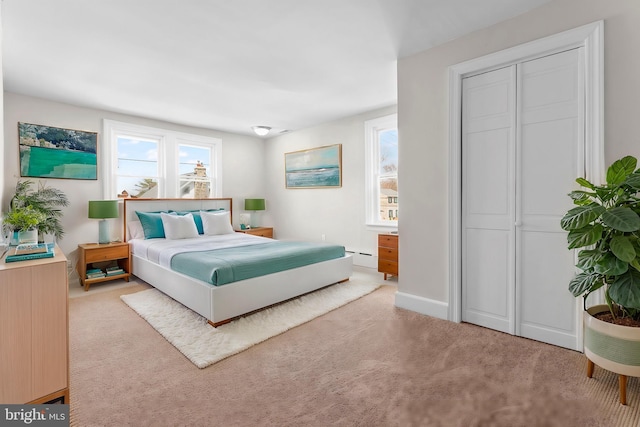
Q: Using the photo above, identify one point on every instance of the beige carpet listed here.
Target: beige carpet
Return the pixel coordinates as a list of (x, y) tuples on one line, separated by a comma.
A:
[(364, 364), (204, 345)]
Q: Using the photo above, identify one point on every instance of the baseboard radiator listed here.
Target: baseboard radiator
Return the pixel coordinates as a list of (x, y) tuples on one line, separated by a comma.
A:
[(363, 259)]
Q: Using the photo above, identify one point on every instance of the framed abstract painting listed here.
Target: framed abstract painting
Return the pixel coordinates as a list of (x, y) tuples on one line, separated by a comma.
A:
[(51, 152), (314, 168)]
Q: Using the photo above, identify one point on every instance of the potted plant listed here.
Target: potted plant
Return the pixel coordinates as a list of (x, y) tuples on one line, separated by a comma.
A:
[(23, 222), (47, 200), (605, 225)]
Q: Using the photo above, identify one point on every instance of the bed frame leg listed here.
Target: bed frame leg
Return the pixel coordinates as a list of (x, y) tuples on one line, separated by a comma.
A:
[(220, 323)]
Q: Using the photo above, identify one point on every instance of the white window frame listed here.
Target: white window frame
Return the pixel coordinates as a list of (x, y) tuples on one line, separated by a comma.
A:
[(372, 129), (168, 144)]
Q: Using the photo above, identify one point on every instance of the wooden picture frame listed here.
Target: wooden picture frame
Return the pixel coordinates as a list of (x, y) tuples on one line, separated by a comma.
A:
[(52, 152), (319, 167)]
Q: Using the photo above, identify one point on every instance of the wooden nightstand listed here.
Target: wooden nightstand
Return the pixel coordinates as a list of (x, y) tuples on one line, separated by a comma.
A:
[(88, 253), (259, 231), (388, 254)]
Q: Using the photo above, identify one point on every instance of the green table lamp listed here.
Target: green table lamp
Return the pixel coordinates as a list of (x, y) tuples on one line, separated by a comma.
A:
[(103, 210), (253, 205)]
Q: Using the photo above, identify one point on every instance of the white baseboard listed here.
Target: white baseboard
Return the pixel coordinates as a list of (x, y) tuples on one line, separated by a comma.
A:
[(422, 305)]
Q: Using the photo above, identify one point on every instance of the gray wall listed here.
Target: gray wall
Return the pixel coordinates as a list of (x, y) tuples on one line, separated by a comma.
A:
[(423, 123), (242, 168), (338, 213)]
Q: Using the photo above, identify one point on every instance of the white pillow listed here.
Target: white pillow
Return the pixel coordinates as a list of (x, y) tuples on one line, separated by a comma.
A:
[(179, 226), (215, 223), (135, 230)]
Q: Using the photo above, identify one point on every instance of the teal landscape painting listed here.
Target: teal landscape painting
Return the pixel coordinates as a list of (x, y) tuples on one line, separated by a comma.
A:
[(51, 152), (314, 168)]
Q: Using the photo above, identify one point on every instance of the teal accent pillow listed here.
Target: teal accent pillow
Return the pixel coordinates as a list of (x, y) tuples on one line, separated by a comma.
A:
[(197, 218), (152, 224)]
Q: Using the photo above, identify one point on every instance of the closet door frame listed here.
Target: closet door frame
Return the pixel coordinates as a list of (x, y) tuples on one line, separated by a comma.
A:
[(591, 38)]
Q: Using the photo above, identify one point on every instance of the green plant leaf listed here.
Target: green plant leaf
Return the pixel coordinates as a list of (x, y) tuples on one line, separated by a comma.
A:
[(584, 236), (610, 265), (621, 218), (622, 248), (604, 193), (581, 198), (633, 181), (585, 283), (584, 183), (581, 216), (620, 169), (588, 258), (635, 264), (625, 290)]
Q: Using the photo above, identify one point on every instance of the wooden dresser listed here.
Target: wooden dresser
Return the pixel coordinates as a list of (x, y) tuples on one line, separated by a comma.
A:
[(34, 330), (388, 254)]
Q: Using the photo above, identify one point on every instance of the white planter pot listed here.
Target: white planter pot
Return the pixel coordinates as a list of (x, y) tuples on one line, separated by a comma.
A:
[(28, 236)]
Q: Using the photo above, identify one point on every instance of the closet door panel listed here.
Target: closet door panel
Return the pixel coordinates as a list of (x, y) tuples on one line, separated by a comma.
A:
[(548, 310), (489, 290), (550, 146), (488, 209), (488, 154), (549, 156)]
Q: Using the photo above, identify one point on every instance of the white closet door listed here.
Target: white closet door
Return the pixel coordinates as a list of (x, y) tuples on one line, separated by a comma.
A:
[(550, 155), (488, 154), (522, 147)]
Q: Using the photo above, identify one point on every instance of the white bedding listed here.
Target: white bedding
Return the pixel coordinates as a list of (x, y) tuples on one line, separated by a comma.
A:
[(160, 251)]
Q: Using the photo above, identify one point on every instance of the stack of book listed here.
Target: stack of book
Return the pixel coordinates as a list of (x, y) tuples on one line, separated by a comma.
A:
[(95, 273), (114, 271), (29, 251)]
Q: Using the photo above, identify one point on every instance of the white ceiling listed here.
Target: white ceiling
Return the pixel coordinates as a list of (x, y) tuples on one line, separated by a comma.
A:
[(229, 65)]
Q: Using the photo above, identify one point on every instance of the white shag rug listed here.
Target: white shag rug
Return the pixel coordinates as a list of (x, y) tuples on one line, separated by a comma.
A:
[(204, 345)]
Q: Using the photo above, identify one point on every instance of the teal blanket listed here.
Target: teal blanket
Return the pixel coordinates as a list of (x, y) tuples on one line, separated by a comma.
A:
[(222, 266)]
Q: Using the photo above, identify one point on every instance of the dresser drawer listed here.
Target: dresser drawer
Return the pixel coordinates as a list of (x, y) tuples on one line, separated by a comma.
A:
[(386, 266), (103, 254), (388, 241), (390, 254)]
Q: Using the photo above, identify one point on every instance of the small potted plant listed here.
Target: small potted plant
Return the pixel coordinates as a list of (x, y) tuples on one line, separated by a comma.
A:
[(605, 225), (23, 222), (47, 200)]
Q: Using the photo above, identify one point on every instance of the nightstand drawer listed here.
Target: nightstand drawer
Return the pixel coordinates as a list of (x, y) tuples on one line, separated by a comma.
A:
[(389, 254), (106, 253), (388, 241), (386, 266)]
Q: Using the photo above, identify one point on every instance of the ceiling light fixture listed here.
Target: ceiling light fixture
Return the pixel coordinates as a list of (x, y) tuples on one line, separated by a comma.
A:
[(261, 130)]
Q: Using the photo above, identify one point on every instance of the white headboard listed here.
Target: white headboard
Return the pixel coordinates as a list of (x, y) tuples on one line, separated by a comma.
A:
[(152, 205)]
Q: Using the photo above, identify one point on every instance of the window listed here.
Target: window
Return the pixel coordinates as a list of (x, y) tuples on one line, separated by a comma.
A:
[(381, 168), (153, 163)]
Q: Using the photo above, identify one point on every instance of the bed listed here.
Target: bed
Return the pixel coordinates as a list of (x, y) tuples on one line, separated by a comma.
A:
[(252, 289)]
